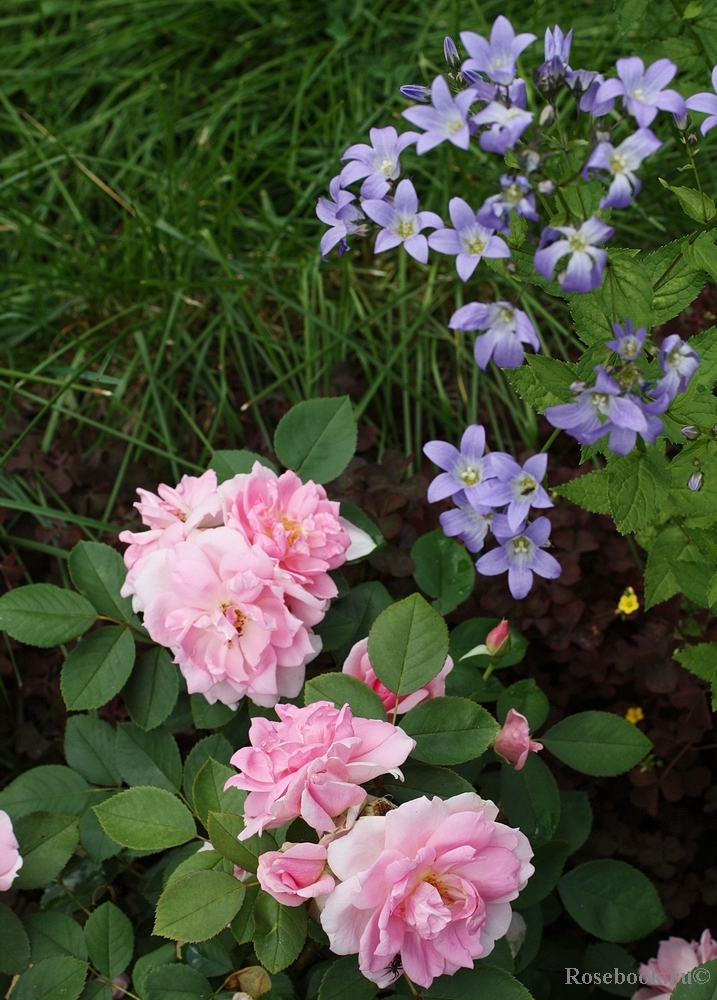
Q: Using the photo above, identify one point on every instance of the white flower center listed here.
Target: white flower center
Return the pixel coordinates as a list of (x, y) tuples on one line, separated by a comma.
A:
[(513, 193), (513, 113), (638, 94), (475, 246), (618, 163), (470, 475), (521, 547), (406, 228), (630, 347), (454, 125), (578, 242), (600, 401), (386, 167), (506, 316), (525, 485)]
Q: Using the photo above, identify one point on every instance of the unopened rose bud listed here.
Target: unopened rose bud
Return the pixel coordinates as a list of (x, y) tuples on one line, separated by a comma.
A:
[(547, 115), (695, 481), (691, 433), (498, 639), (450, 51), (546, 187), (414, 92)]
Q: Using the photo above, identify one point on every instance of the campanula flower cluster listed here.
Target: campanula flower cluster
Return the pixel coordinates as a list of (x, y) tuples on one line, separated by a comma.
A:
[(423, 888), (486, 101), (493, 493), (623, 403), (232, 578)]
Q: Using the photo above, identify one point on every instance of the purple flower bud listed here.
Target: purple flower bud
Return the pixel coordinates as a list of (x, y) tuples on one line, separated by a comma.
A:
[(450, 51), (546, 187), (691, 433), (414, 92), (682, 122), (695, 481), (547, 115)]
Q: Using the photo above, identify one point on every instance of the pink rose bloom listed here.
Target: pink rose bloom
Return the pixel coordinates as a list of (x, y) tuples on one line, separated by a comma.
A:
[(10, 860), (312, 763), (357, 664), (295, 873), (214, 601), (513, 742), (293, 522), (430, 881), (193, 503), (675, 957)]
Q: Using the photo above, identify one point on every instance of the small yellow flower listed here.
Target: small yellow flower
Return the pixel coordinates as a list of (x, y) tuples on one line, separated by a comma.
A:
[(628, 603), (634, 715)]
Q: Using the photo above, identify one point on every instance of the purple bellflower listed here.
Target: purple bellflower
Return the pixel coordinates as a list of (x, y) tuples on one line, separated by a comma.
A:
[(508, 329), (402, 222), (343, 217), (469, 523), (507, 126), (450, 52), (587, 261), (516, 195), (446, 118), (679, 362), (602, 410), (521, 554), (464, 469), (628, 341), (469, 240), (378, 163), (622, 161), (415, 92), (643, 90), (557, 47), (495, 58), (707, 103), (585, 84), (517, 487)]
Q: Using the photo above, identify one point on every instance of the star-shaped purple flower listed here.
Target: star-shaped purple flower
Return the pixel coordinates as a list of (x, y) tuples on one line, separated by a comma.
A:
[(470, 241), (402, 222), (516, 195), (517, 487), (464, 469), (344, 218), (521, 554), (643, 90), (707, 103), (507, 328), (507, 126), (470, 524), (602, 410), (628, 341), (378, 163), (622, 161), (587, 261), (497, 57), (679, 362), (585, 84), (446, 118)]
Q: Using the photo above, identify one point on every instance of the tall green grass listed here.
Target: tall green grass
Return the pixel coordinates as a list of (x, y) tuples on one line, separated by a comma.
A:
[(161, 288)]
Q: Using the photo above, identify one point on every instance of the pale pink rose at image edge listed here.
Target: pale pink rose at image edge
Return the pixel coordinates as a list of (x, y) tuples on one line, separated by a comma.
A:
[(295, 873), (10, 860), (431, 880), (513, 742), (311, 763), (675, 957), (357, 664)]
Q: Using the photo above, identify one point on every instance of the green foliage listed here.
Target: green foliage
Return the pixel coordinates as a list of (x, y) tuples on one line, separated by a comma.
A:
[(98, 572), (148, 758), (602, 958), (527, 698), (576, 819), (699, 207), (424, 779), (279, 932), (597, 743), (53, 933), (47, 840), (317, 438), (444, 570), (449, 730), (176, 982), (41, 614), (699, 986), (589, 491), (97, 667), (638, 485), (198, 905), (90, 749), (110, 940), (472, 633), (165, 955), (484, 981), (228, 464), (49, 786), (701, 660), (57, 978), (611, 900), (362, 606), (208, 792), (341, 689), (408, 645), (542, 381), (216, 746), (151, 692), (530, 798), (344, 981), (206, 716), (549, 860), (146, 819), (14, 943)]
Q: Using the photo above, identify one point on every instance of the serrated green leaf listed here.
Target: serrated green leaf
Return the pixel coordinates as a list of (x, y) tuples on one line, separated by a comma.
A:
[(638, 485), (543, 381), (90, 749), (216, 746), (676, 279), (45, 787), (345, 981), (424, 779), (701, 660), (52, 933), (59, 978), (151, 692), (611, 900), (208, 794), (110, 940), (698, 206), (14, 943), (230, 463), (626, 289), (148, 758), (597, 743), (198, 905), (342, 689), (208, 716), (146, 819), (176, 982), (588, 491), (449, 730), (279, 932), (317, 438), (444, 570), (97, 667), (530, 798), (47, 841), (408, 645), (41, 614), (98, 571)]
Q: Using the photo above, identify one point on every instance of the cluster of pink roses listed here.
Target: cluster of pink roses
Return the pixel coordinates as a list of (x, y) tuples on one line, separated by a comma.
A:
[(232, 578), (424, 887), (10, 860), (675, 958)]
